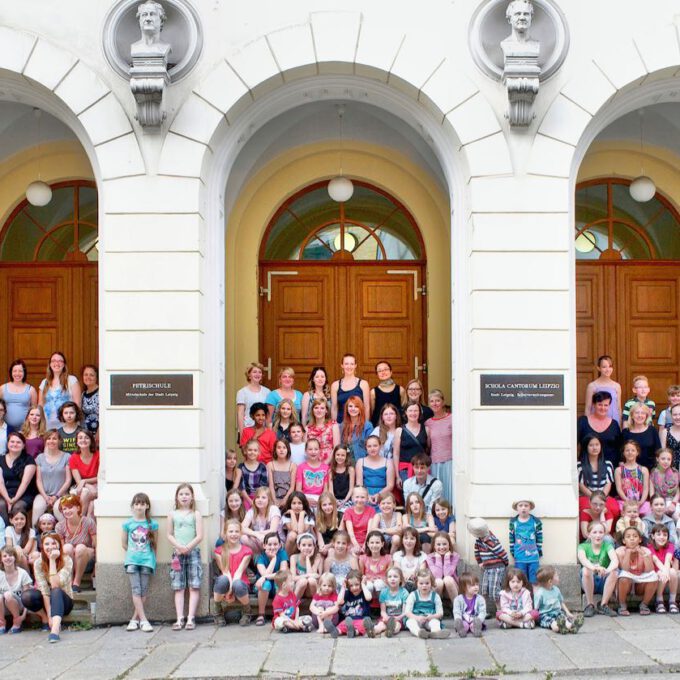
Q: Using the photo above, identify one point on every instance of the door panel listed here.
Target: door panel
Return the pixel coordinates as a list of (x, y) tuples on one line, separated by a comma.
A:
[(44, 308), (324, 311), (629, 310)]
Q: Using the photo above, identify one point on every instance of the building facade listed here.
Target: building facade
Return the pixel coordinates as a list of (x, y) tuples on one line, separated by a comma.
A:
[(186, 277)]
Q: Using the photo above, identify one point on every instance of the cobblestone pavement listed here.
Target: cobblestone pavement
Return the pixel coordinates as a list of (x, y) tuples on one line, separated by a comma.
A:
[(631, 648)]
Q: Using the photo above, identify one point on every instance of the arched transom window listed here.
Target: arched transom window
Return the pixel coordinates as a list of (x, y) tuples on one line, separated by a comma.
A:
[(372, 225), (63, 230), (611, 225)]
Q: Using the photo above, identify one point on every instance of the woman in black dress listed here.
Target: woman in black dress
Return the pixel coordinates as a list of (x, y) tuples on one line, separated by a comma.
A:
[(602, 425)]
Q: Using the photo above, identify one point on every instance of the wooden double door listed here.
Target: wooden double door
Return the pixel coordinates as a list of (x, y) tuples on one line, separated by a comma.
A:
[(311, 314), (630, 311), (46, 307)]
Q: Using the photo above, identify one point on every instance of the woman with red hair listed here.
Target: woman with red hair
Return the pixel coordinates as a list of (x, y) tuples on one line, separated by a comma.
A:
[(355, 428), (79, 535), (52, 599)]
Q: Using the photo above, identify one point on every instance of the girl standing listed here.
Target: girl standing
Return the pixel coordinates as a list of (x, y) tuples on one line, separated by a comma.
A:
[(424, 610), (416, 517), (84, 464), (34, 429), (253, 472), (356, 519), (342, 476), (440, 431), (90, 400), (139, 542), (386, 392), (665, 482), (254, 392), (374, 472), (52, 598), (69, 417), (57, 388), (516, 608), (326, 522), (281, 473), (79, 534), (19, 535), (285, 390), (319, 390), (259, 432), (410, 558), (53, 475), (388, 521), (350, 385), (670, 436), (341, 561), (442, 562), (263, 518), (662, 557), (413, 440), (604, 383), (355, 429), (185, 533), (232, 474), (17, 475), (14, 581), (284, 417), (232, 582), (18, 395), (388, 431), (324, 429), (306, 565), (297, 519), (374, 562), (632, 480), (312, 475)]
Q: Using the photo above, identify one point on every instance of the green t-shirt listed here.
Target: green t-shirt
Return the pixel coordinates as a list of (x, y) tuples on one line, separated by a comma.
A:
[(602, 558)]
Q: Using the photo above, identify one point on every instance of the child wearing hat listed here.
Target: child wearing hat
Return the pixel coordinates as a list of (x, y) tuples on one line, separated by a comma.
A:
[(526, 539), (490, 556)]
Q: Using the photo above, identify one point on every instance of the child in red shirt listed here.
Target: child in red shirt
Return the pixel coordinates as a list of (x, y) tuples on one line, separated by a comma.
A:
[(662, 557), (357, 518), (286, 607)]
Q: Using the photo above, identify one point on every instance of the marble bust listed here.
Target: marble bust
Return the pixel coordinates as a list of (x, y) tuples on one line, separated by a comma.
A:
[(151, 17)]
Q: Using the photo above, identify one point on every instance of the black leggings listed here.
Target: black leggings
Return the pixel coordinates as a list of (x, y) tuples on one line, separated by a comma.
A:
[(60, 603)]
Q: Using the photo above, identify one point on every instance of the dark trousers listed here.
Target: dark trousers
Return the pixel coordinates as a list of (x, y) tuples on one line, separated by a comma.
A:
[(60, 603)]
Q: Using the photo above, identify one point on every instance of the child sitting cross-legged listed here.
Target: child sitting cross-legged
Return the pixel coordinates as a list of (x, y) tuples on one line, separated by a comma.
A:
[(424, 610), (469, 608), (516, 608), (392, 602), (553, 613), (354, 600), (286, 607)]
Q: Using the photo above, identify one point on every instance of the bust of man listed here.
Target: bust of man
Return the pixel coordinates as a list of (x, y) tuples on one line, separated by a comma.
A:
[(151, 17), (519, 43)]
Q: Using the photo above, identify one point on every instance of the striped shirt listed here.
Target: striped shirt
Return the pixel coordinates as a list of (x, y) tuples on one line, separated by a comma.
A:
[(489, 552)]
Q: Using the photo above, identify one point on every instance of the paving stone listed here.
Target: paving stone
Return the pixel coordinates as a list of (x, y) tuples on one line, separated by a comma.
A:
[(45, 662), (660, 645), (161, 661), (637, 622), (201, 634), (599, 623), (522, 650), (311, 654), (381, 656), (610, 651), (457, 656), (223, 660), (106, 663), (227, 634)]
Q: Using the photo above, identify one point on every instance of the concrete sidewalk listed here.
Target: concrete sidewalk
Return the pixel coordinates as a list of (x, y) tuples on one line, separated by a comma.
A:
[(635, 645)]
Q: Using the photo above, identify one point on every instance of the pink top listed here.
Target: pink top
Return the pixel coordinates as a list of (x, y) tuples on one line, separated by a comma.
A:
[(442, 565), (661, 553), (441, 431), (324, 434), (313, 478), (509, 602), (373, 569), (359, 522)]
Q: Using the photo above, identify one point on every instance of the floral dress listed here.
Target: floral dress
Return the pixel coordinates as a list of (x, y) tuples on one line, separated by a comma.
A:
[(632, 483)]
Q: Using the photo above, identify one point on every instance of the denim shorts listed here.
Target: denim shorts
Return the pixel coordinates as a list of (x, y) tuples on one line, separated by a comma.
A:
[(190, 571)]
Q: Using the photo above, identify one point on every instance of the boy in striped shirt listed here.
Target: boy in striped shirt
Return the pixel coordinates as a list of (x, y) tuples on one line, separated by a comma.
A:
[(490, 556)]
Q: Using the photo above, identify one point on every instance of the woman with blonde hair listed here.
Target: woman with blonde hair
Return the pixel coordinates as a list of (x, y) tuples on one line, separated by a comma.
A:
[(34, 429), (285, 390), (57, 388), (253, 392)]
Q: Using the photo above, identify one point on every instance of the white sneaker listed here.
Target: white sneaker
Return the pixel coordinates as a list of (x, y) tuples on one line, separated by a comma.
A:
[(146, 627), (133, 625)]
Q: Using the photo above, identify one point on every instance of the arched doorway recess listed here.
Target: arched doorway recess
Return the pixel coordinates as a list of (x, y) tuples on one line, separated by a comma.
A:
[(338, 277)]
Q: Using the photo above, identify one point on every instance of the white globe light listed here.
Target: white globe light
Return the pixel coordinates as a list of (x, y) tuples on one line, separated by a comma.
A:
[(38, 193), (340, 189), (642, 189)]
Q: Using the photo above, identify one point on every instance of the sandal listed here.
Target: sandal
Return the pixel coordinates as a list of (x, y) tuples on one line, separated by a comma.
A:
[(645, 610), (660, 607), (190, 624), (259, 621), (673, 608), (623, 611), (178, 625)]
